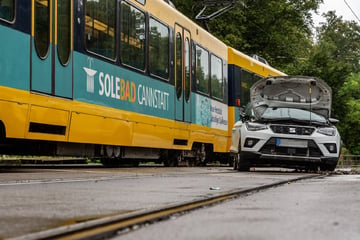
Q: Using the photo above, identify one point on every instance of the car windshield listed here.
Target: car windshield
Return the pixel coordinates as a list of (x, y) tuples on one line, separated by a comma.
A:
[(293, 114)]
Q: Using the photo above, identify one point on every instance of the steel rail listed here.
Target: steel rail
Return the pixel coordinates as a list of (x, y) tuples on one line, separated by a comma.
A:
[(110, 226)]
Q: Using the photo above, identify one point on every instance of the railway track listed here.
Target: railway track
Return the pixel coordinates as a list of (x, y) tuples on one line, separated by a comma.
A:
[(108, 227), (40, 161)]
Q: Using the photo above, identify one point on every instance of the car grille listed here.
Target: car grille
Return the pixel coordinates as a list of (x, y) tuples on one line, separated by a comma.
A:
[(294, 130), (270, 147)]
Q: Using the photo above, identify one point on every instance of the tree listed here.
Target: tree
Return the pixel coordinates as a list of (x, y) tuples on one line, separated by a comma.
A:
[(334, 57), (278, 30), (350, 125)]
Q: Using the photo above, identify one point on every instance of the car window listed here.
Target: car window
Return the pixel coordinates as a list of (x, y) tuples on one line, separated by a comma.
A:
[(275, 113), (248, 110)]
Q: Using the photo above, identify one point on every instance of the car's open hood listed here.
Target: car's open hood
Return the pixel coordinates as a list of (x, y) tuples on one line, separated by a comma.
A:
[(301, 92)]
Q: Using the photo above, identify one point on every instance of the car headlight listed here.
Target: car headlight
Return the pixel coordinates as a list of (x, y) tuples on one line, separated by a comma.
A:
[(328, 131), (255, 126)]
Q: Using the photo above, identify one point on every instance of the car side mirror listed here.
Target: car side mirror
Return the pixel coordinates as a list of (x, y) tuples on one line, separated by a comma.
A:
[(242, 114), (333, 121)]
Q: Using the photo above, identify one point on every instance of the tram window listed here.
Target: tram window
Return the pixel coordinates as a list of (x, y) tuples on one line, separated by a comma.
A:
[(257, 78), (193, 61), (187, 69), (246, 82), (216, 77), (141, 2), (100, 27), (42, 27), (7, 10), (64, 30), (179, 64), (202, 70), (132, 37), (158, 49)]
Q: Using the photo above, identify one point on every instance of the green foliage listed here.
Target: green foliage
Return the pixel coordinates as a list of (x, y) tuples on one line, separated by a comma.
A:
[(350, 125), (335, 58), (278, 30)]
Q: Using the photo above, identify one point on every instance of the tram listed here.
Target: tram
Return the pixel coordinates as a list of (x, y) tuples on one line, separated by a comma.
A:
[(121, 81)]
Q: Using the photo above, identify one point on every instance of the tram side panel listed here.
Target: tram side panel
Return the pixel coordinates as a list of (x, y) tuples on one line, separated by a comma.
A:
[(111, 104), (114, 105), (210, 122), (210, 115), (14, 68), (146, 106)]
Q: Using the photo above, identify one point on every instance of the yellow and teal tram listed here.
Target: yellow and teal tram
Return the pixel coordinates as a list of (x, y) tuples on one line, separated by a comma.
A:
[(117, 80)]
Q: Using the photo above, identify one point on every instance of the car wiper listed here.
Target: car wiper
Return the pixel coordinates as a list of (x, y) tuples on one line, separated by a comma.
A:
[(318, 123), (308, 121)]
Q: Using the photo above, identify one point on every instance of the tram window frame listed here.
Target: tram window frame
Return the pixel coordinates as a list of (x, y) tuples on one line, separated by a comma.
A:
[(42, 29), (113, 46), (205, 87), (143, 42), (7, 9), (64, 53), (193, 65), (187, 68), (165, 74), (215, 93), (179, 64)]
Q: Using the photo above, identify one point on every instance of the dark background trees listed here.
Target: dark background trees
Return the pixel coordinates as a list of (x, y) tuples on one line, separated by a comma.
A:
[(282, 32), (334, 57)]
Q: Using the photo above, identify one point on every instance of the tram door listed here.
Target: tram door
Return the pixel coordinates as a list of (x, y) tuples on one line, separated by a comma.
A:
[(51, 45), (182, 74)]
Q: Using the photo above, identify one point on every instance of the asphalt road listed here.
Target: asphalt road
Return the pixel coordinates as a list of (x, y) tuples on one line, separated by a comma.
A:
[(33, 200), (325, 208)]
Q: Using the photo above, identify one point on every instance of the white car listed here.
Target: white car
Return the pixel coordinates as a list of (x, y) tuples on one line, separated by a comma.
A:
[(287, 124)]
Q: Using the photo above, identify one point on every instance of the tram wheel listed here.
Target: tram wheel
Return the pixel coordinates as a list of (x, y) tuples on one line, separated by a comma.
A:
[(172, 159), (109, 162)]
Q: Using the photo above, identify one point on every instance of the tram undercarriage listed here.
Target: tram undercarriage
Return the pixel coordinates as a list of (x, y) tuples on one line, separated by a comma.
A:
[(114, 156)]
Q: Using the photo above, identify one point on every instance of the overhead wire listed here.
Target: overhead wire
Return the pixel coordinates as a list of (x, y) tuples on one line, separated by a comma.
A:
[(348, 5)]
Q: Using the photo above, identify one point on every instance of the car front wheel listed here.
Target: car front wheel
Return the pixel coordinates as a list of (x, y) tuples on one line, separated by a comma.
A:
[(328, 167), (243, 164)]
